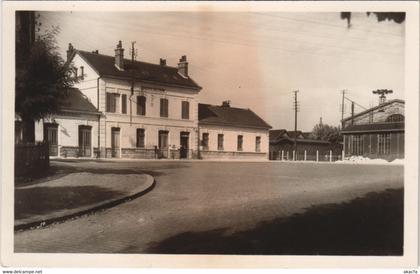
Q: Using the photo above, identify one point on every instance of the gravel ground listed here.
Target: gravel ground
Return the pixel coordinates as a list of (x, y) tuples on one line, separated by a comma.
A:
[(192, 197)]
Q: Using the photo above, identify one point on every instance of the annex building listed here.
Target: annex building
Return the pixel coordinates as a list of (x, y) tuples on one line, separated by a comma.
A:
[(123, 108), (377, 132)]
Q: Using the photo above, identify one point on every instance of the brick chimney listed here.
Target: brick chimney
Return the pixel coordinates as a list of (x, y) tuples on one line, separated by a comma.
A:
[(162, 62), (183, 66), (119, 56), (70, 51)]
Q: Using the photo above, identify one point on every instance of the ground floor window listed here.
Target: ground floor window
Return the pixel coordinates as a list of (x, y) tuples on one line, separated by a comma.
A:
[(240, 142), (140, 137), (384, 143), (220, 141), (205, 141), (357, 145), (258, 143)]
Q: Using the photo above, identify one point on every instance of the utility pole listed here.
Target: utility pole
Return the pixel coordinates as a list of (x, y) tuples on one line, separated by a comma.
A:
[(342, 107), (132, 80), (296, 109)]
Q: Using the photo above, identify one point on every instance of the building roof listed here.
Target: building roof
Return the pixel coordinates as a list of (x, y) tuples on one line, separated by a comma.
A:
[(76, 101), (104, 65), (375, 108), (374, 127), (229, 116), (282, 135)]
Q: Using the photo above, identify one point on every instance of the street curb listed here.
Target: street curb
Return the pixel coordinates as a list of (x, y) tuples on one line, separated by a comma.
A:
[(150, 180)]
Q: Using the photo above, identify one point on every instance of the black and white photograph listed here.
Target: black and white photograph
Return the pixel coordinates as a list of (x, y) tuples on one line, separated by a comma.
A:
[(210, 131)]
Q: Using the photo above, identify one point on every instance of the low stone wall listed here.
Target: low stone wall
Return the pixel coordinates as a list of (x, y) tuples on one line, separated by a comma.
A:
[(138, 153), (69, 151), (233, 155)]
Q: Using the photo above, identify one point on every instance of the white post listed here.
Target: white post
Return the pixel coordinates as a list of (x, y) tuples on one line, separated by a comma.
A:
[(294, 155), (287, 155), (304, 156), (282, 155), (330, 155), (317, 155), (342, 155)]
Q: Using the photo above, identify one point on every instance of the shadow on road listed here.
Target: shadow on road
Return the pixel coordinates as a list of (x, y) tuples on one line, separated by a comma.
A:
[(44, 200), (371, 225)]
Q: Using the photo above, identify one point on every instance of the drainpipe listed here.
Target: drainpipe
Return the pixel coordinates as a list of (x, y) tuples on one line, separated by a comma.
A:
[(99, 117)]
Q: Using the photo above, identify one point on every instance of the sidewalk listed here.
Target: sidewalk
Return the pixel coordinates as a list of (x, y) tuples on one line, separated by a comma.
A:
[(75, 194)]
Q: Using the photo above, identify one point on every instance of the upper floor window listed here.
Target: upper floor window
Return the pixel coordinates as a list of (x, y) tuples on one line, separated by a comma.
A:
[(185, 110), (141, 105), (240, 142), (220, 141), (111, 102), (395, 118), (205, 141), (163, 107), (124, 103), (140, 137), (258, 143)]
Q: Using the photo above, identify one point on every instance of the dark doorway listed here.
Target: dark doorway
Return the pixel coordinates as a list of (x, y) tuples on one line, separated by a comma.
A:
[(163, 143), (85, 144), (183, 151), (51, 136), (115, 142)]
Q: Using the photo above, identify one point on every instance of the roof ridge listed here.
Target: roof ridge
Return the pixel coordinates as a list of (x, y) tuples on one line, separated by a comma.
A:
[(128, 60)]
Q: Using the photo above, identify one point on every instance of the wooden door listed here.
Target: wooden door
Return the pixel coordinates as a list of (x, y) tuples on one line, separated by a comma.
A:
[(51, 136), (85, 137), (115, 142), (163, 144), (184, 142)]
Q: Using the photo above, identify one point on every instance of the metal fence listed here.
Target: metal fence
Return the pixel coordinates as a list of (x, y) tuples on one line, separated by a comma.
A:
[(31, 159), (316, 156)]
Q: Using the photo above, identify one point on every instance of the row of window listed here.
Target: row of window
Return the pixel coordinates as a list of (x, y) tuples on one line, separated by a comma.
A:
[(384, 144), (112, 104), (220, 142)]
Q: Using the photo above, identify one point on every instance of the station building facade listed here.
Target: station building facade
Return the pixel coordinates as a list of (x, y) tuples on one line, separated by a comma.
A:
[(134, 109), (377, 132)]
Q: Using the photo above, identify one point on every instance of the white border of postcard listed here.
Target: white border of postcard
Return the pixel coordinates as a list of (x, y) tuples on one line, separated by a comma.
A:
[(410, 257)]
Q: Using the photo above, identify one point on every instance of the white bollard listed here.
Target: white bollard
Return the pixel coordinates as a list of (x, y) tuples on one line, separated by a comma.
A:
[(330, 155), (304, 157), (317, 155), (282, 155), (287, 155), (342, 155), (294, 155)]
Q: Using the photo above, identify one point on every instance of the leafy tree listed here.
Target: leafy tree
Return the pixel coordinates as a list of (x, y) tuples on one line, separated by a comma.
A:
[(397, 17), (42, 80), (326, 133)]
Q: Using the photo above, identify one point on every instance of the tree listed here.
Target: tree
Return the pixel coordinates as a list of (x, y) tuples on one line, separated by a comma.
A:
[(42, 80), (397, 17), (326, 133)]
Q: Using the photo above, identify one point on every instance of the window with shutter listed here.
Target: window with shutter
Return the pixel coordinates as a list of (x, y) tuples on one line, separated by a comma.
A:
[(163, 107), (220, 141), (185, 110), (124, 104), (140, 137), (141, 105)]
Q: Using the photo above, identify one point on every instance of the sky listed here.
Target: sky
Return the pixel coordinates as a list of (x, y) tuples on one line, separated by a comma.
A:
[(257, 59)]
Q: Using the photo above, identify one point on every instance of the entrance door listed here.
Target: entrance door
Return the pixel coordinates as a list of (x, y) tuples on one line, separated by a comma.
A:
[(85, 147), (163, 144), (50, 136), (183, 152), (115, 142)]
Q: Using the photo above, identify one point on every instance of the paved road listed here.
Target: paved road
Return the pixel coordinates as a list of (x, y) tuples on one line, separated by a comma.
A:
[(203, 196)]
